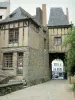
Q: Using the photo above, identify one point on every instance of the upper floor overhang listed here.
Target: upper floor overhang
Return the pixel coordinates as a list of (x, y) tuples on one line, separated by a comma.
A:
[(60, 26)]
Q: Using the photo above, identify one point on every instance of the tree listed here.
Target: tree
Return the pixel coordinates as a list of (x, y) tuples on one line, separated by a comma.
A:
[(70, 56)]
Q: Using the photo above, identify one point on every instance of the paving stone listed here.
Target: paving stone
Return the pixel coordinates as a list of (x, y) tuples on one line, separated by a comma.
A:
[(52, 90)]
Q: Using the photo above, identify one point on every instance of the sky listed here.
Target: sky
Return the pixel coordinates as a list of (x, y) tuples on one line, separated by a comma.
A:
[(30, 6)]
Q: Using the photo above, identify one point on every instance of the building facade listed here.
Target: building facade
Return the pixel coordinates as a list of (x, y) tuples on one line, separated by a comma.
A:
[(28, 45), (4, 9), (57, 69), (23, 48), (58, 26)]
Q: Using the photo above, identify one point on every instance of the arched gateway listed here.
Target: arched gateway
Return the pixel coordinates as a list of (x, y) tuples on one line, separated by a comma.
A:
[(53, 56)]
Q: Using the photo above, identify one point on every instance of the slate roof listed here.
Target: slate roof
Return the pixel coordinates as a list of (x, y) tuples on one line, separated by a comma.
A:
[(4, 4), (19, 14), (57, 17)]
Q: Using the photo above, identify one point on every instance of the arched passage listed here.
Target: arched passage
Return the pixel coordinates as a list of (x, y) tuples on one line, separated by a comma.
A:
[(53, 56)]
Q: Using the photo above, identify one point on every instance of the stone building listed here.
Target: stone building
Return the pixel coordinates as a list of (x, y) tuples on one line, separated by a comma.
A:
[(4, 9), (58, 26), (28, 45), (57, 69), (24, 46)]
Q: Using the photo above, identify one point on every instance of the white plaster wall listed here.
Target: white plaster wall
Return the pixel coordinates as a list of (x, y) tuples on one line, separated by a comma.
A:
[(59, 64), (4, 12)]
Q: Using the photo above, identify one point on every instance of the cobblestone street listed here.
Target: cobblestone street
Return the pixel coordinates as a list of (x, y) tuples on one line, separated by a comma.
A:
[(52, 90)]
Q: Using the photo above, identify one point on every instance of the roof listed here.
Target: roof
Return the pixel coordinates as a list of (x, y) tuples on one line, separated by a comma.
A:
[(4, 4), (18, 14), (57, 17)]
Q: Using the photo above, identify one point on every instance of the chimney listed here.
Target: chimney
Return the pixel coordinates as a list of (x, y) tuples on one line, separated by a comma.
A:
[(39, 15), (44, 14), (67, 14)]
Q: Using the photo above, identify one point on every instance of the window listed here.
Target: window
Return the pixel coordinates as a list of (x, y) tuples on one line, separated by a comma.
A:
[(13, 35), (45, 44), (57, 69), (0, 17), (60, 65), (60, 69), (56, 64), (53, 69), (57, 40), (2, 27), (12, 15), (7, 60)]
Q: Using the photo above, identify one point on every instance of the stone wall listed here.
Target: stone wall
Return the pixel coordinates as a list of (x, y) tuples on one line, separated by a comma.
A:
[(35, 57), (38, 69), (8, 88), (13, 70)]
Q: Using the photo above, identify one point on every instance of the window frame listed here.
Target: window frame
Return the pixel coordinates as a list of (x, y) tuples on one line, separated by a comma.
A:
[(20, 56), (1, 17), (5, 61), (56, 42), (13, 35)]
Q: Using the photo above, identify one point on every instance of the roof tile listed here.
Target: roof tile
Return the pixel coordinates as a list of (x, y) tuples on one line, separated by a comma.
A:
[(57, 17)]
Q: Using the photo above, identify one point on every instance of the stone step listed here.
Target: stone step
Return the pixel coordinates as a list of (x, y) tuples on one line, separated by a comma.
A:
[(4, 77), (16, 81)]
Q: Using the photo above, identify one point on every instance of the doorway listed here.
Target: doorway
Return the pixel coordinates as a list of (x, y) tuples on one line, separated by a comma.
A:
[(20, 63)]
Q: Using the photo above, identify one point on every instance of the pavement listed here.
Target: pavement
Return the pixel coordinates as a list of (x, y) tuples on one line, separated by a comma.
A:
[(51, 90)]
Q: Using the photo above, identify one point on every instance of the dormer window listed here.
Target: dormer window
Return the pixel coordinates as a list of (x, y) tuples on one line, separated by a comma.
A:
[(0, 17), (12, 15)]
